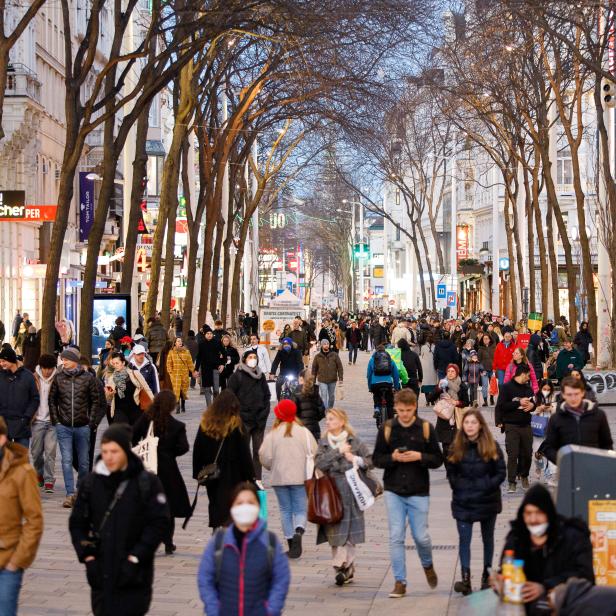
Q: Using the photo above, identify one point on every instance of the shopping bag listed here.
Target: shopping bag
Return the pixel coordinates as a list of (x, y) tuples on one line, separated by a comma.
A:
[(361, 492), (539, 424), (340, 392), (309, 457), (493, 389), (374, 485), (147, 450), (324, 502), (262, 504)]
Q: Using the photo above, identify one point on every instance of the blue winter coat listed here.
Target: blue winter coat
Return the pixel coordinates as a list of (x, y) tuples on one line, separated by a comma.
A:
[(375, 379), (475, 485), (245, 587)]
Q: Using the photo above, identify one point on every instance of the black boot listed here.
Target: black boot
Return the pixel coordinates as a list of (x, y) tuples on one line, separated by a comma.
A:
[(183, 405), (485, 579), (295, 546), (178, 409), (290, 544), (299, 531), (491, 400), (465, 585)]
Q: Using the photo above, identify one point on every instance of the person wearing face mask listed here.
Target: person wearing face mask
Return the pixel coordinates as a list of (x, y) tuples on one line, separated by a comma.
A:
[(289, 359), (244, 556), (263, 359), (545, 404), (209, 360), (553, 548)]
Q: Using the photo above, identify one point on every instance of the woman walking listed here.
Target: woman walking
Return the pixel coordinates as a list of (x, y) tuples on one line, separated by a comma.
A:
[(284, 452), (172, 443), (583, 341), (340, 450), (485, 354), (123, 389), (220, 438), (426, 356), (519, 357), (245, 556), (179, 368), (231, 358), (475, 470), (310, 407)]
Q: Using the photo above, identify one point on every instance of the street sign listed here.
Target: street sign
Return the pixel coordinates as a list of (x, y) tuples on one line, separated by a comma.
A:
[(503, 264), (441, 291), (451, 299)]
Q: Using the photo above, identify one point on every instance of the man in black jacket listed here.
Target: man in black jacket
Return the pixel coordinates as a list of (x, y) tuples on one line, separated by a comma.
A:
[(250, 386), (119, 519), (577, 421), (513, 414), (412, 363), (19, 397), (445, 353), (75, 409), (407, 447)]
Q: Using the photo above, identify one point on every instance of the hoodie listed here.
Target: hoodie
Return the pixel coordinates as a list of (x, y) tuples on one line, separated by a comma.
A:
[(44, 385)]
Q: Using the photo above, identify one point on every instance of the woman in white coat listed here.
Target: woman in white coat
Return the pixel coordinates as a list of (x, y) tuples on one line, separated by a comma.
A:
[(287, 451), (426, 356)]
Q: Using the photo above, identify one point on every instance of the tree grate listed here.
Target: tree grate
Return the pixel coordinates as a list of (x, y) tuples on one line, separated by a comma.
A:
[(438, 548)]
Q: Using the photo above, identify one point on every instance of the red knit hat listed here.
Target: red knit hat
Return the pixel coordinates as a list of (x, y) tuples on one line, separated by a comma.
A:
[(455, 367), (285, 410)]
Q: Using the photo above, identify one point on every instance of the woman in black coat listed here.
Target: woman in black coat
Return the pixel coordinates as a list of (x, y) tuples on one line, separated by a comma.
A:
[(475, 470), (310, 407), (220, 438), (172, 443), (231, 358), (582, 341)]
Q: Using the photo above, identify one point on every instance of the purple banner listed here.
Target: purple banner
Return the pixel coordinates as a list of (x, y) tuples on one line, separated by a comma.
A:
[(86, 205)]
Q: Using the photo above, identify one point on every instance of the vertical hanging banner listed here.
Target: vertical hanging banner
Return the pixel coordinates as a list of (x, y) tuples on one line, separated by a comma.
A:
[(86, 205)]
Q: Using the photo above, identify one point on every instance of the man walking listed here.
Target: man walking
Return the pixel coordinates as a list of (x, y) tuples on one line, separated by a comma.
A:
[(75, 409), (568, 359), (119, 519), (513, 414), (577, 421), (407, 447), (327, 371), (503, 356), (156, 338), (264, 361), (19, 398), (300, 338), (353, 340), (141, 363), (21, 519)]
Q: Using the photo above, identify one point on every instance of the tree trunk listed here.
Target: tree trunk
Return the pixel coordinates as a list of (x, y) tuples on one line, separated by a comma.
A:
[(136, 197), (220, 227), (169, 255), (513, 293), (528, 204), (553, 261), (237, 267), (429, 266), (536, 208)]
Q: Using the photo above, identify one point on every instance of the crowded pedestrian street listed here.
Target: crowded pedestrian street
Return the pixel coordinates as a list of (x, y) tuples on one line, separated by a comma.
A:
[(56, 583)]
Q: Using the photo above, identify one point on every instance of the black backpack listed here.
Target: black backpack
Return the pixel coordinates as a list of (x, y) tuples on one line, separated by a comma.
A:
[(382, 363)]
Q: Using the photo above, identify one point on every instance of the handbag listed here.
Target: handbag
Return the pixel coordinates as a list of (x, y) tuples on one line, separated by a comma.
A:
[(309, 457), (144, 400), (210, 471), (444, 409), (361, 492), (324, 502), (147, 450), (374, 485), (539, 424)]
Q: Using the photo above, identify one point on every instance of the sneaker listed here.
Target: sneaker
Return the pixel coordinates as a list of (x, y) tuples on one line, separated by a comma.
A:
[(512, 488), (340, 577), (349, 574), (40, 480), (376, 414), (49, 488), (431, 576), (399, 590), (525, 484), (69, 501)]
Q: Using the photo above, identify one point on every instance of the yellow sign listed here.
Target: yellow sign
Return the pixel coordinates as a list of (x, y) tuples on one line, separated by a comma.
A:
[(378, 271), (535, 322), (602, 523), (269, 326)]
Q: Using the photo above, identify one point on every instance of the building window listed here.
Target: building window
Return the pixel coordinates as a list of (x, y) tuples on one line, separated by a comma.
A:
[(564, 167)]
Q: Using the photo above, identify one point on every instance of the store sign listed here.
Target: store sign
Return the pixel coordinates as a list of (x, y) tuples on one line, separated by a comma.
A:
[(462, 239), (13, 208), (86, 205), (378, 272)]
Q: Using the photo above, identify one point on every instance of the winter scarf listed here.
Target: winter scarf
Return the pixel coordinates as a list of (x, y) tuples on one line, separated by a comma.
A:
[(255, 372), (119, 379), (453, 388), (336, 441)]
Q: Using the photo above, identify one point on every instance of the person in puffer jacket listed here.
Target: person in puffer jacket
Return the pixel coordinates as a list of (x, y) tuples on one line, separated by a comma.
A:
[(243, 571), (310, 407)]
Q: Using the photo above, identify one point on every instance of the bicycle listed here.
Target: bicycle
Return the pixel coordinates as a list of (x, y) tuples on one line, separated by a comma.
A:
[(383, 407)]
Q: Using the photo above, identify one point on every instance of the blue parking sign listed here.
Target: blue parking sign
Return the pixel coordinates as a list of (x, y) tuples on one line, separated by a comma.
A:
[(441, 291), (451, 299)]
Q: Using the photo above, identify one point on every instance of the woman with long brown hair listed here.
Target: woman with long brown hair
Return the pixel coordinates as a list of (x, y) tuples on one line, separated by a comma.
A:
[(310, 407), (519, 357), (172, 443), (220, 439), (475, 470)]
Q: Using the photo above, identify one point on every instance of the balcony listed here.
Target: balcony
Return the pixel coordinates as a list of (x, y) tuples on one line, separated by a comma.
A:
[(21, 81)]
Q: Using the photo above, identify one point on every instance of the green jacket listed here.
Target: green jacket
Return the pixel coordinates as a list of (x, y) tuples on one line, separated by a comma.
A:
[(564, 359), (396, 354)]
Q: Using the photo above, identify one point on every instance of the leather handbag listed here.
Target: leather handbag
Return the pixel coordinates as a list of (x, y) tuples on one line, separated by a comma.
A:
[(324, 502), (210, 471), (145, 402)]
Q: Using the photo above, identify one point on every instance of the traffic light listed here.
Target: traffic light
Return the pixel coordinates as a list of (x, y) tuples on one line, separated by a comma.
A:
[(609, 93), (361, 251)]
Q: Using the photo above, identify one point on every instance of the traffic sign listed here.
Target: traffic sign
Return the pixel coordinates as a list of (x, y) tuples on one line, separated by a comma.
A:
[(503, 264), (441, 291), (451, 299)]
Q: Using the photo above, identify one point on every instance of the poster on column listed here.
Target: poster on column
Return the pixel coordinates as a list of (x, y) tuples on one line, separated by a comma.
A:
[(602, 523), (86, 205), (105, 310)]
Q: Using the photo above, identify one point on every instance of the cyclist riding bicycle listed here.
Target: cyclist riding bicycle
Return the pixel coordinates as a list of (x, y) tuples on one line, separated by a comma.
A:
[(289, 358), (383, 378)]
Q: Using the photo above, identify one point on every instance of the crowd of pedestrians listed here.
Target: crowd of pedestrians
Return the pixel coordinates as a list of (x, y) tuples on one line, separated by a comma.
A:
[(125, 501)]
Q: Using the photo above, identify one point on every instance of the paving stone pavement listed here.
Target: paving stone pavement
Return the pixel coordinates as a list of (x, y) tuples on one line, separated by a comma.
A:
[(56, 583)]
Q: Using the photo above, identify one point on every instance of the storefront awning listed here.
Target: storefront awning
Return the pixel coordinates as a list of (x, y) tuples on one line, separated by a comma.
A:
[(155, 147)]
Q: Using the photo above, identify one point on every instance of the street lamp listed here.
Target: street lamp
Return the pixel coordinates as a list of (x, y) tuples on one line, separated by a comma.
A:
[(352, 212)]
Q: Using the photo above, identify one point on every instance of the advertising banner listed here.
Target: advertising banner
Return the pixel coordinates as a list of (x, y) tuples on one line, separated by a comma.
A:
[(273, 319), (106, 309), (86, 205), (602, 523), (535, 321)]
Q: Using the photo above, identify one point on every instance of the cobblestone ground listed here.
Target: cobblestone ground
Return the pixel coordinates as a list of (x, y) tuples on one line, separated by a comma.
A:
[(56, 583)]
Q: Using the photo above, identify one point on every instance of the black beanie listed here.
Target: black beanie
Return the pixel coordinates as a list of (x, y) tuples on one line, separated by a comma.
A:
[(248, 353), (539, 496), (121, 434)]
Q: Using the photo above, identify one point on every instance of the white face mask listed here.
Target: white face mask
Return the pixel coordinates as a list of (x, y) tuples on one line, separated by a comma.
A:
[(538, 530), (245, 515), (546, 393), (252, 363)]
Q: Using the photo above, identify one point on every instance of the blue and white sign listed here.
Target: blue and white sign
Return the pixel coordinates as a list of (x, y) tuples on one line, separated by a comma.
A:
[(441, 291), (451, 299), (503, 264)]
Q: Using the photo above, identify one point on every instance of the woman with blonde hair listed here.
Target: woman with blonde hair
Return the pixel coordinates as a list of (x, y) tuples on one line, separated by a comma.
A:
[(310, 407), (285, 451), (340, 450), (220, 438), (519, 357), (475, 470)]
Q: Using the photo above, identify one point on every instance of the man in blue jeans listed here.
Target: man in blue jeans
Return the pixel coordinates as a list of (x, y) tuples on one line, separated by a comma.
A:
[(407, 447), (21, 519), (75, 408)]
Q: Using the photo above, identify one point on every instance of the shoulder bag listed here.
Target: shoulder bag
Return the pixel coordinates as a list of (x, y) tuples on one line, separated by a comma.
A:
[(147, 450), (324, 502)]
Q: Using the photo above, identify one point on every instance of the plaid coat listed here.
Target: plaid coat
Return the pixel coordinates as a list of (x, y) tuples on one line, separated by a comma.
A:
[(352, 527), (179, 366)]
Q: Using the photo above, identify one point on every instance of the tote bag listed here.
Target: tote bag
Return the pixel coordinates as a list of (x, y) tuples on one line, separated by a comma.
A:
[(361, 492), (324, 502), (147, 450), (309, 457), (539, 424)]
